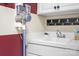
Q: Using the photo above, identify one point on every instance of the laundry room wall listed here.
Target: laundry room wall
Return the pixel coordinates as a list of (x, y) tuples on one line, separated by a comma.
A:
[(36, 24), (35, 27), (7, 21)]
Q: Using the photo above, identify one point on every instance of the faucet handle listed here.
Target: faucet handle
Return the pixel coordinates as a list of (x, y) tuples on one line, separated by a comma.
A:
[(45, 33)]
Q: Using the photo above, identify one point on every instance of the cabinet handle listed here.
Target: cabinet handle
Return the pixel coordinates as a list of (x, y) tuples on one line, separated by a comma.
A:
[(58, 7), (55, 7)]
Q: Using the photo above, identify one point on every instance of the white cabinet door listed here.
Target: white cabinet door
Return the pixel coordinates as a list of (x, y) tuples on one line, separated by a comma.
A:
[(69, 7), (44, 8), (48, 8), (50, 51)]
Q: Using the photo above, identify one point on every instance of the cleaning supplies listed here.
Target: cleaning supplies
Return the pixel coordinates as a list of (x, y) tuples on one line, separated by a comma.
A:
[(77, 35)]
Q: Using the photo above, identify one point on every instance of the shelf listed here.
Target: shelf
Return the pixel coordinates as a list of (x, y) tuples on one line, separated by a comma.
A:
[(66, 21)]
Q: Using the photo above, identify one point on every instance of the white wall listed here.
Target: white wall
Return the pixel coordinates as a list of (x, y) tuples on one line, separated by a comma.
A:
[(7, 19), (36, 24), (35, 27)]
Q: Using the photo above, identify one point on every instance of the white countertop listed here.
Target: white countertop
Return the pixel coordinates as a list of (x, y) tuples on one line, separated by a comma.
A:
[(73, 45)]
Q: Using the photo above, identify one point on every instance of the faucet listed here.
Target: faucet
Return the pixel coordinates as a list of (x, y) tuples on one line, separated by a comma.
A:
[(59, 34)]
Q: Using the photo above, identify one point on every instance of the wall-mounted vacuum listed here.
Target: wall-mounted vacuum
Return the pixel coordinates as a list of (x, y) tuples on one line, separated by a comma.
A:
[(23, 15)]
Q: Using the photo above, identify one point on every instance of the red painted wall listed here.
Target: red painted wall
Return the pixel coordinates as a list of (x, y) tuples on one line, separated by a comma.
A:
[(33, 7), (10, 5), (10, 45)]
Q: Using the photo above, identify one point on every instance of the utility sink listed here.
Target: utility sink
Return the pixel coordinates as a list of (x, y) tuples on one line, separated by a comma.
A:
[(60, 40)]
